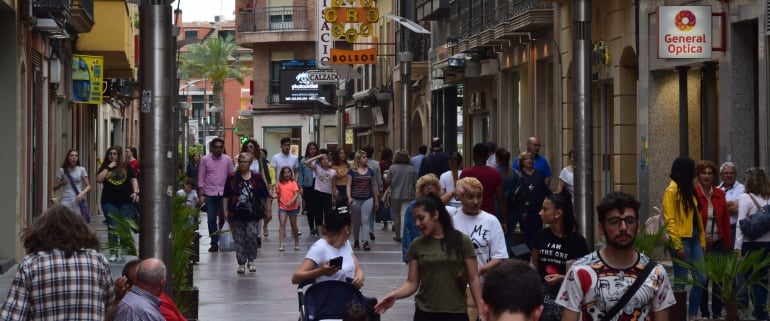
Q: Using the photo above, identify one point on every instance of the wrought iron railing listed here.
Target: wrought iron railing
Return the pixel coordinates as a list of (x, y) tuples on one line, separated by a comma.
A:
[(274, 96), (51, 8), (522, 6), (273, 19)]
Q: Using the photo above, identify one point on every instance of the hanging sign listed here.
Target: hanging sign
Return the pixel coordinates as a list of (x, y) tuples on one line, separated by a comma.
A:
[(684, 32), (87, 74), (347, 57)]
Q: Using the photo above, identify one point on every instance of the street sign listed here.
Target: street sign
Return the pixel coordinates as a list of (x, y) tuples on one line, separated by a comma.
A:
[(323, 76)]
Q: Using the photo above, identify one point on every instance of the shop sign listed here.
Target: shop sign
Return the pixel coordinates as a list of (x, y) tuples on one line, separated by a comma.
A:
[(684, 32), (296, 87), (342, 18), (323, 76), (87, 75), (356, 57)]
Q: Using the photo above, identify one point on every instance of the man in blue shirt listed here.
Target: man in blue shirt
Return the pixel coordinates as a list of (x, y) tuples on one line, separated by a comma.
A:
[(541, 164), (417, 159), (142, 302)]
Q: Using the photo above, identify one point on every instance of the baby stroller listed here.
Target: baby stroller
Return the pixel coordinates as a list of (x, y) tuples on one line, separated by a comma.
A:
[(328, 300)]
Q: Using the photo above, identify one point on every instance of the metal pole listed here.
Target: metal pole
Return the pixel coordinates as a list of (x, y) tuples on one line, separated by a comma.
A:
[(581, 88), (405, 59), (157, 81), (340, 119), (684, 140)]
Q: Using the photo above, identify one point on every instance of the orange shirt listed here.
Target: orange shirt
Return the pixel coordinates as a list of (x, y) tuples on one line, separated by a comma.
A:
[(286, 192)]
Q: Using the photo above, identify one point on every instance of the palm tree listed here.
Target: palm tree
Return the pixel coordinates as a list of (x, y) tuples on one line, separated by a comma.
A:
[(211, 60)]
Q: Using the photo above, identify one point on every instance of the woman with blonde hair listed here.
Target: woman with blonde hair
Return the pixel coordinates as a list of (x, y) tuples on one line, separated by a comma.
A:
[(426, 184), (362, 196)]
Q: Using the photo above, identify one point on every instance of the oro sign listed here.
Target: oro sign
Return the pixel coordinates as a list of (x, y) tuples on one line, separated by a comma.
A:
[(684, 32)]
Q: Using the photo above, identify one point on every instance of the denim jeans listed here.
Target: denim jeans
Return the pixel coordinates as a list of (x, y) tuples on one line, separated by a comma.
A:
[(121, 210), (759, 298), (692, 252), (214, 211)]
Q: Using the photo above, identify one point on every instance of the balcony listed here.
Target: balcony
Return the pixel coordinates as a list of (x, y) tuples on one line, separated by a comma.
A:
[(530, 15), (274, 24), (55, 9), (428, 10), (82, 19), (113, 38)]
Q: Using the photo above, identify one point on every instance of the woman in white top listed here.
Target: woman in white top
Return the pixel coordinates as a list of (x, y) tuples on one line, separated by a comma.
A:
[(567, 176), (756, 196), (334, 243), (449, 177), (78, 175)]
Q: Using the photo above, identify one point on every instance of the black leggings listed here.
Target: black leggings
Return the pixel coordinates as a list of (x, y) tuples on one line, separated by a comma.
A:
[(309, 196)]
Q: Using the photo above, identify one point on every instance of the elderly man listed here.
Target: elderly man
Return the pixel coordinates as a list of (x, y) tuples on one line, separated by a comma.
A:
[(733, 189), (142, 302)]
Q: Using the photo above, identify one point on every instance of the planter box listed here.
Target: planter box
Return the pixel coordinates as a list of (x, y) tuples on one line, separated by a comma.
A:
[(187, 301)]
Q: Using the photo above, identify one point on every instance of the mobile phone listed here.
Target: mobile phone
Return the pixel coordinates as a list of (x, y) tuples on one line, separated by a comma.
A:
[(337, 261)]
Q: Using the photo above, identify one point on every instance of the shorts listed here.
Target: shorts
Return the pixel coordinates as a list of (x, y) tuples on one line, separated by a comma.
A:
[(289, 212)]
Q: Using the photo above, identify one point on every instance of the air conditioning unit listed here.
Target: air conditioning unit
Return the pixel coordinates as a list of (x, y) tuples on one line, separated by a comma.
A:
[(47, 25)]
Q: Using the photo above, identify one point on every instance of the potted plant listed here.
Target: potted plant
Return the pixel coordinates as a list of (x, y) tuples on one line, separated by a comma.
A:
[(723, 269)]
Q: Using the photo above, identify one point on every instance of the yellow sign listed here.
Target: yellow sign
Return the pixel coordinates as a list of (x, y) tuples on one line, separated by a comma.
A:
[(87, 75), (347, 57)]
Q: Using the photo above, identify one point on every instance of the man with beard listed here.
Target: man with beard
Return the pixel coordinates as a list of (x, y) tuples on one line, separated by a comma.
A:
[(597, 281)]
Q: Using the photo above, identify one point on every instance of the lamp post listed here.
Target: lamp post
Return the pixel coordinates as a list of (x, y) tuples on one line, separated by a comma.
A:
[(405, 61)]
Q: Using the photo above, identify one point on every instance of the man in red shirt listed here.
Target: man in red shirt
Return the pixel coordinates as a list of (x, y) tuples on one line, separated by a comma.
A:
[(492, 181)]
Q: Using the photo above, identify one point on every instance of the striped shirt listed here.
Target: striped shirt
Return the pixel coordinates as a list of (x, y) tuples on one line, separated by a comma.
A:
[(51, 286)]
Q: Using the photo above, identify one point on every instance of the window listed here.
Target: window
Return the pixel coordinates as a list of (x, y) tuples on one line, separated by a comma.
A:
[(191, 34)]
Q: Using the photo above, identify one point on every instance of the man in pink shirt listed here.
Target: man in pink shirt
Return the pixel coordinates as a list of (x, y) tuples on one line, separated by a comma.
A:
[(212, 173)]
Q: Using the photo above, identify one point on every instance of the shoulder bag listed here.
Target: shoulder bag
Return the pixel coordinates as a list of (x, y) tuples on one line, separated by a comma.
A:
[(758, 223), (631, 291), (84, 211)]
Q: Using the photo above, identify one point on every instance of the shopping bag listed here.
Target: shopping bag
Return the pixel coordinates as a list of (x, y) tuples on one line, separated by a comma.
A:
[(226, 242)]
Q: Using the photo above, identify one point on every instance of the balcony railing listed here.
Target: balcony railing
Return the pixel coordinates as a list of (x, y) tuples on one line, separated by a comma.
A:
[(51, 8), (82, 15), (522, 6), (273, 19), (274, 97)]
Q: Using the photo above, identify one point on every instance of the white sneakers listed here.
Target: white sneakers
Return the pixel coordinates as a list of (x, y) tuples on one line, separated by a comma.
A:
[(250, 265)]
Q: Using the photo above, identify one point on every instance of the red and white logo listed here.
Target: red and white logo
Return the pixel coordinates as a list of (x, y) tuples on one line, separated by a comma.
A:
[(685, 20)]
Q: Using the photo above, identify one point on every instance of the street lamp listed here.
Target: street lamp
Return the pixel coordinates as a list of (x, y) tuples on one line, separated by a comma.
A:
[(405, 60)]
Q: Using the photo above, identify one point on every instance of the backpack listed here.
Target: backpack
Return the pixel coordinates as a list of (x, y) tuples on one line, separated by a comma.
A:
[(654, 224)]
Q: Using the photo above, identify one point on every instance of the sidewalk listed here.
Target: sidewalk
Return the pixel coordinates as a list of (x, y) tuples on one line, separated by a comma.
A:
[(268, 294)]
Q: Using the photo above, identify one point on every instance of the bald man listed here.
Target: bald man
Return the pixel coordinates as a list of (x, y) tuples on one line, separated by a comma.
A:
[(142, 302)]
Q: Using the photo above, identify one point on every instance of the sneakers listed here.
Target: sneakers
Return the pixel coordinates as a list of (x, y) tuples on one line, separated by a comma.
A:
[(214, 248), (265, 231), (280, 248), (241, 269), (371, 236), (252, 267), (356, 246), (296, 246), (366, 246)]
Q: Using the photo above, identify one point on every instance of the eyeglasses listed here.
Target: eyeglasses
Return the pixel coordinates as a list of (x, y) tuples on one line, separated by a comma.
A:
[(615, 221)]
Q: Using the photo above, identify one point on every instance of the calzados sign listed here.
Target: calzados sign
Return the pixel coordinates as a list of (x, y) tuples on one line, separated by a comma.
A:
[(684, 32)]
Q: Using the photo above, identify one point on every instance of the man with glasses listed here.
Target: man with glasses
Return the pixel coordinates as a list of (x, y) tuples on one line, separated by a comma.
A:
[(212, 173), (596, 282)]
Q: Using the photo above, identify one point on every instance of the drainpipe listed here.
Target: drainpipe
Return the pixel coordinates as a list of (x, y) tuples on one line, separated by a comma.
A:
[(583, 118)]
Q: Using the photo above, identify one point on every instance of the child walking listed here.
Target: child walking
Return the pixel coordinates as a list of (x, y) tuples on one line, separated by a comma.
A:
[(288, 205)]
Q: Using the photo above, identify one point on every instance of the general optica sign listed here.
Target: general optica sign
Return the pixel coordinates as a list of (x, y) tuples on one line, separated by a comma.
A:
[(684, 32)]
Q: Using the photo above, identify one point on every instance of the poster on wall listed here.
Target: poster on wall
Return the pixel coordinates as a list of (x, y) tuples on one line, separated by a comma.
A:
[(87, 75), (684, 32)]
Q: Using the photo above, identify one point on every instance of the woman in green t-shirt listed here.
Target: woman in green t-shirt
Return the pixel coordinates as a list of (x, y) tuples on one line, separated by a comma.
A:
[(442, 262)]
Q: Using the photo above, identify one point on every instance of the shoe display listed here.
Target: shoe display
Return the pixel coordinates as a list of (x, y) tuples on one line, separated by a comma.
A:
[(241, 269), (371, 236), (356, 246), (214, 248), (366, 246), (252, 267)]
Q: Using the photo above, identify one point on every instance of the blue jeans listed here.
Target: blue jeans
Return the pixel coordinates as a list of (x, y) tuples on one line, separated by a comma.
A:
[(692, 252), (759, 299), (121, 210), (214, 210)]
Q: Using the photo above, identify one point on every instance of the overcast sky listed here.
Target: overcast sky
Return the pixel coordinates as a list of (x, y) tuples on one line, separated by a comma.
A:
[(205, 10)]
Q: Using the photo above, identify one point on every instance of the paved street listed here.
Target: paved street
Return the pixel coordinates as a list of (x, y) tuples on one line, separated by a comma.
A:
[(268, 294)]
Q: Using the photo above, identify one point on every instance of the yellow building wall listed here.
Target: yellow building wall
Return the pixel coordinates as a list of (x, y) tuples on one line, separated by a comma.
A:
[(112, 37)]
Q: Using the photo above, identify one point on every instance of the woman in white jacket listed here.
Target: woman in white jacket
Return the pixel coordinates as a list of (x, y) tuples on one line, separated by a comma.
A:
[(756, 196)]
